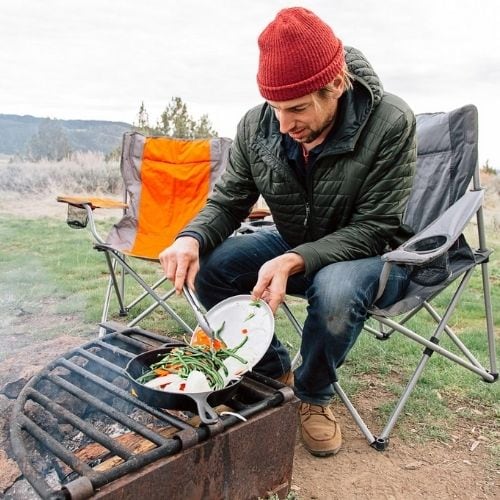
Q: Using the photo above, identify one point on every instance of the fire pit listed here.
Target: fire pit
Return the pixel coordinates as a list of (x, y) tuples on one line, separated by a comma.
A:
[(78, 432)]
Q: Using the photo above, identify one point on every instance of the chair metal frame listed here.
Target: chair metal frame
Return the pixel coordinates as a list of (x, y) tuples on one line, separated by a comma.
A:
[(117, 283)]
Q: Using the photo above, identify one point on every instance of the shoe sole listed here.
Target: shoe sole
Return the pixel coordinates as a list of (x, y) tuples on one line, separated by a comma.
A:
[(322, 454)]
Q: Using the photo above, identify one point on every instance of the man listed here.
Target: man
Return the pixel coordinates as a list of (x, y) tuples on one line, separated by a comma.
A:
[(333, 156)]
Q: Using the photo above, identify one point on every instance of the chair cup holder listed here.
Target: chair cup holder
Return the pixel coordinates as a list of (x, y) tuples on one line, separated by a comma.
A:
[(428, 244), (435, 271)]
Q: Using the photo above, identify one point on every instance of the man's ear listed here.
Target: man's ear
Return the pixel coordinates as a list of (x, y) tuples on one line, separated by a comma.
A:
[(337, 87)]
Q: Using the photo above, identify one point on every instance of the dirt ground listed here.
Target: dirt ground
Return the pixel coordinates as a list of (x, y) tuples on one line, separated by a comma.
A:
[(462, 468)]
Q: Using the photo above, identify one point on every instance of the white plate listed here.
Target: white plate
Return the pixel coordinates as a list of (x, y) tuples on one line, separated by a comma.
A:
[(238, 317)]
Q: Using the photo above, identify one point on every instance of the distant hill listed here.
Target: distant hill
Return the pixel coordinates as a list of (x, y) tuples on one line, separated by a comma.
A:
[(83, 135)]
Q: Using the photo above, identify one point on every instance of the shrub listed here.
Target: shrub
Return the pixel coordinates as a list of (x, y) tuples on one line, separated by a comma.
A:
[(82, 173), (488, 169)]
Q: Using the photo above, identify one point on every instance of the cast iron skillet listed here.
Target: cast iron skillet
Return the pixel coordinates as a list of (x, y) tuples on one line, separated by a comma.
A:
[(200, 402)]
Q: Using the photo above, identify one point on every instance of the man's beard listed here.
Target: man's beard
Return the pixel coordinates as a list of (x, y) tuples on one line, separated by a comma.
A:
[(314, 134)]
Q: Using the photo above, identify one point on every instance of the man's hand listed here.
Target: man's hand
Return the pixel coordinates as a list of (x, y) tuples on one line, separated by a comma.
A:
[(273, 277), (180, 262)]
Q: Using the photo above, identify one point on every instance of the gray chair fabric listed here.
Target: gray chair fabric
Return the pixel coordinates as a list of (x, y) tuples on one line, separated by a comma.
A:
[(447, 156), (439, 206)]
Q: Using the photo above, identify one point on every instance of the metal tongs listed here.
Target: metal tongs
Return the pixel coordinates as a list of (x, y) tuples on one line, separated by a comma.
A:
[(200, 315)]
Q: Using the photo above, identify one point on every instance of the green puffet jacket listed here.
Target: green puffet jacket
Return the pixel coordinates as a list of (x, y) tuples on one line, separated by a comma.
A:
[(356, 193)]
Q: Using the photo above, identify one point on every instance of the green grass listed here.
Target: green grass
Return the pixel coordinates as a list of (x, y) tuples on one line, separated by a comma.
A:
[(44, 258), (68, 268)]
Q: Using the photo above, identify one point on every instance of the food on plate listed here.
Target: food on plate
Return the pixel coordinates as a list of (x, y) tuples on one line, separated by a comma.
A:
[(200, 338)]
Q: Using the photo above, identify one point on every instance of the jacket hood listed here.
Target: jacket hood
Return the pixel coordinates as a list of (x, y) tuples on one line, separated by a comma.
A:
[(363, 72)]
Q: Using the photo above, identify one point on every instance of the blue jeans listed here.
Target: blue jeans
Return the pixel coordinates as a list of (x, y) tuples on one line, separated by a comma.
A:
[(339, 297)]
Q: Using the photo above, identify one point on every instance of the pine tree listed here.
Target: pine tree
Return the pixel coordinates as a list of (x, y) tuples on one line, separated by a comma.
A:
[(143, 121), (203, 128), (175, 121)]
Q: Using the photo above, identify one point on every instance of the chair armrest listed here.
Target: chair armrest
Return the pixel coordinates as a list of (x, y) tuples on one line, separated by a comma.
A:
[(80, 211), (92, 201), (436, 239)]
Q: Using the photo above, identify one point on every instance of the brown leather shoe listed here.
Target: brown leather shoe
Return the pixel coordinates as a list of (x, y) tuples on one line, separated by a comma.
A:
[(287, 379), (319, 430)]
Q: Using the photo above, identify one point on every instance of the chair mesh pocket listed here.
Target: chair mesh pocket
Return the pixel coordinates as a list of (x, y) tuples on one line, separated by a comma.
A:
[(435, 271), (77, 217)]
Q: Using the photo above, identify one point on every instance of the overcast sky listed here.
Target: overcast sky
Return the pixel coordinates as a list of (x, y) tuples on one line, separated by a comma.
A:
[(95, 59)]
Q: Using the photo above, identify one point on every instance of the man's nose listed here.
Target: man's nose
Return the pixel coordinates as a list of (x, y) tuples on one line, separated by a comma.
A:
[(287, 122)]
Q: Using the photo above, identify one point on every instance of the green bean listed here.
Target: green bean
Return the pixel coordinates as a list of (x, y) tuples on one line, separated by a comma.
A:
[(190, 358)]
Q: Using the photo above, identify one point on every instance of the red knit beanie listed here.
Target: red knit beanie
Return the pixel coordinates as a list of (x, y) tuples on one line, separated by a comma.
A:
[(299, 54)]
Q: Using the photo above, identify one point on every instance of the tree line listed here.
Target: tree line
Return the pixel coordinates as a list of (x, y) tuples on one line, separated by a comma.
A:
[(52, 143), (175, 121)]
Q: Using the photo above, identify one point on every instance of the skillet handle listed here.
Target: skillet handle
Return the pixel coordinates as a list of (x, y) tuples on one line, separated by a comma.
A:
[(207, 414)]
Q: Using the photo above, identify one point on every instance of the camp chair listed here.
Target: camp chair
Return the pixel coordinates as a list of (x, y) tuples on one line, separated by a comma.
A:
[(166, 183), (439, 209)]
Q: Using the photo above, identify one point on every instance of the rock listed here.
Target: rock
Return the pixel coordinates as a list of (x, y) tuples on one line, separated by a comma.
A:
[(15, 375), (413, 465), (474, 445), (17, 381), (21, 490), (10, 472)]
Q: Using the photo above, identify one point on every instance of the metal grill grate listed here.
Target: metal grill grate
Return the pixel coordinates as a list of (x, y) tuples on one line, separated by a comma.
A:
[(85, 393)]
